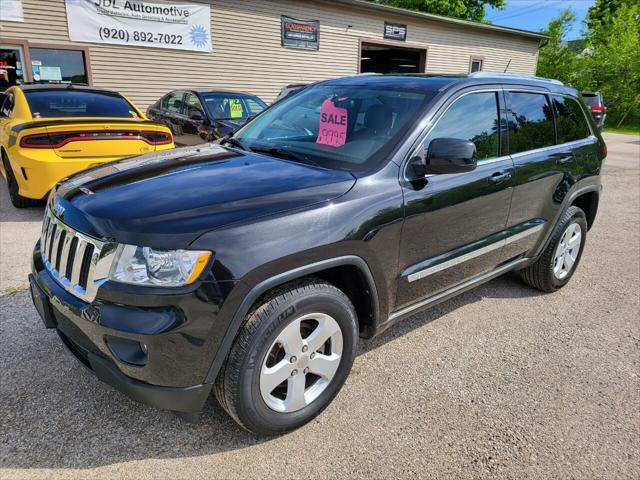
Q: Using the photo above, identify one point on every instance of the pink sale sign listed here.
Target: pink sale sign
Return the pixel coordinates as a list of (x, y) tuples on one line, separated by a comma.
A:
[(333, 125)]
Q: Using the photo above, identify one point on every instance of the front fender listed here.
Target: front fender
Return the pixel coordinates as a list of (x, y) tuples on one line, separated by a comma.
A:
[(244, 297)]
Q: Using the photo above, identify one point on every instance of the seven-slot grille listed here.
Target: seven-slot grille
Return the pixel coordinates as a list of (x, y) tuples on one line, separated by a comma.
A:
[(70, 257)]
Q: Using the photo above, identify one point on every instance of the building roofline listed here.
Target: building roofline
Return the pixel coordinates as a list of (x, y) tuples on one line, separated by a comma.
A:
[(440, 18)]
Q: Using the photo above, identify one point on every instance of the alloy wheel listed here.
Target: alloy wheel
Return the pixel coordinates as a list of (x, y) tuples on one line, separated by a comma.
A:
[(567, 251), (301, 362)]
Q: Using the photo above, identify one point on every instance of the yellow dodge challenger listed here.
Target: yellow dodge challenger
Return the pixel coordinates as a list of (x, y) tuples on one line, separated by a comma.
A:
[(48, 132)]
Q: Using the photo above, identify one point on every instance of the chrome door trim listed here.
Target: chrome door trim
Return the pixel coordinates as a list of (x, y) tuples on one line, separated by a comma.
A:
[(474, 254), (449, 293)]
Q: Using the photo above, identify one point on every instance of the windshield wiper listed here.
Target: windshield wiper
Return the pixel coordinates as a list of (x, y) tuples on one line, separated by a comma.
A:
[(286, 154), (233, 141)]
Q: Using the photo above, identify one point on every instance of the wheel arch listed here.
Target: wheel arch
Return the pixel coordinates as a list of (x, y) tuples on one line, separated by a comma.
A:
[(588, 202), (581, 195), (349, 273)]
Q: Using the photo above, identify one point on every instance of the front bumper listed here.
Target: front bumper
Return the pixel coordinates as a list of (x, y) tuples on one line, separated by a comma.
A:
[(170, 373)]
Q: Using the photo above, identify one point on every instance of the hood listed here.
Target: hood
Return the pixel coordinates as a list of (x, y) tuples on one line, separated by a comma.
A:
[(167, 199)]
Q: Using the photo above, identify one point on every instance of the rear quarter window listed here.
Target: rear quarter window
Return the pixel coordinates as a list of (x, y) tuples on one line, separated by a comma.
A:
[(530, 122), (572, 124), (69, 103)]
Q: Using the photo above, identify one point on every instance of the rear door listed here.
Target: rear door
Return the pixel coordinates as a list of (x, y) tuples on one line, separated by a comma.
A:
[(544, 170), (454, 223)]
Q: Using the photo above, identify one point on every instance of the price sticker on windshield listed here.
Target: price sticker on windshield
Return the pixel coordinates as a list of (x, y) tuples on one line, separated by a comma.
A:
[(235, 106), (332, 131)]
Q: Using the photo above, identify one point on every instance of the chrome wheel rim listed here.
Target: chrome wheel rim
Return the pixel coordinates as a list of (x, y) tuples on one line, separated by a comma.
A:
[(567, 251), (301, 362)]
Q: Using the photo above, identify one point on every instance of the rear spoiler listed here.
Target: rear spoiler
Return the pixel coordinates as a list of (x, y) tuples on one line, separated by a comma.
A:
[(50, 123)]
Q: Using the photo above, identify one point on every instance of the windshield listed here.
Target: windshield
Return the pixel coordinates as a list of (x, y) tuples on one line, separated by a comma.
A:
[(229, 106), (337, 126), (78, 103)]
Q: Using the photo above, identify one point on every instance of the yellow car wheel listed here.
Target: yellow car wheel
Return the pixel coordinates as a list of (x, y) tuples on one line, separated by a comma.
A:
[(17, 200)]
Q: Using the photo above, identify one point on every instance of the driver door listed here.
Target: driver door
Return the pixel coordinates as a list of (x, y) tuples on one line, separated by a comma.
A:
[(454, 223)]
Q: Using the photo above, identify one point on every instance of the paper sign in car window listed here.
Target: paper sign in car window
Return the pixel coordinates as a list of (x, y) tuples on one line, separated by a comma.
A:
[(332, 131), (235, 106)]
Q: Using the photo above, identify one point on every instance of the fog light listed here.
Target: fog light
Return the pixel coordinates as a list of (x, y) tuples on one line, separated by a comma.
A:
[(127, 351)]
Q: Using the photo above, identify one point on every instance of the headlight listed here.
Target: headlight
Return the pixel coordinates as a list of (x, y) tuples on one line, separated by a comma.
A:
[(167, 268)]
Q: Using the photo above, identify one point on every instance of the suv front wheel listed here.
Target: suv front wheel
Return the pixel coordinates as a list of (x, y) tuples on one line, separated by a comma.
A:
[(290, 359)]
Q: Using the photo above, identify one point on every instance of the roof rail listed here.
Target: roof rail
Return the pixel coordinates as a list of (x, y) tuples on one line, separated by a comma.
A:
[(512, 75)]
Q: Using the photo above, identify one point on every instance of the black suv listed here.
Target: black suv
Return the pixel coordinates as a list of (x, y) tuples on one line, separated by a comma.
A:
[(252, 268), (198, 116)]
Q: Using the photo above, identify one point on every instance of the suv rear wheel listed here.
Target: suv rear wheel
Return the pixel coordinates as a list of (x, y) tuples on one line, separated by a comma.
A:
[(290, 359), (561, 257)]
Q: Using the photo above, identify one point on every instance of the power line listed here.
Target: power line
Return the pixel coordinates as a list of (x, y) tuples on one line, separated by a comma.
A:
[(525, 11)]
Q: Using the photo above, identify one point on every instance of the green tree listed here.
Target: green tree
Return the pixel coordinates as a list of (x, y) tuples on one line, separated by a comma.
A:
[(466, 9), (599, 16), (613, 60), (607, 61), (556, 59)]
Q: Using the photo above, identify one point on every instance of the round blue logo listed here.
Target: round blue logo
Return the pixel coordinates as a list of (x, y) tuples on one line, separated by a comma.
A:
[(199, 36)]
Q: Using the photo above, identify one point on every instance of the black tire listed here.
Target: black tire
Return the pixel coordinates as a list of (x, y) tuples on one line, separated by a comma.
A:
[(237, 387), (540, 275), (17, 200)]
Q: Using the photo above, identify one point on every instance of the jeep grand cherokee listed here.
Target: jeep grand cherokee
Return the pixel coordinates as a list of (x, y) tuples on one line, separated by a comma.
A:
[(251, 268)]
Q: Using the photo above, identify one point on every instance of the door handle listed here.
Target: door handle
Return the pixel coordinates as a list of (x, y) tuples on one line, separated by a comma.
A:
[(499, 177)]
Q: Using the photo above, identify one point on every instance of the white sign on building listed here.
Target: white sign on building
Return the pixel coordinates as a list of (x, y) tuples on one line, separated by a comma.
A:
[(11, 10), (140, 23)]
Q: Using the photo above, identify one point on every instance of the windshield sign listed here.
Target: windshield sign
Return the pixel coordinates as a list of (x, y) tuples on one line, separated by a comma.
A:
[(336, 126), (232, 107)]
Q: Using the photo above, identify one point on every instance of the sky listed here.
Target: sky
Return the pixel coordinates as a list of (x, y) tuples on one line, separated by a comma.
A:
[(535, 14)]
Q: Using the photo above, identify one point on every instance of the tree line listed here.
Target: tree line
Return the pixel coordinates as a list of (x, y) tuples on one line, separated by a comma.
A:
[(606, 59)]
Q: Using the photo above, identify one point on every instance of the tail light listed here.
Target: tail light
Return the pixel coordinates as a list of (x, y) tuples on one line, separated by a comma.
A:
[(59, 140), (606, 150), (596, 109)]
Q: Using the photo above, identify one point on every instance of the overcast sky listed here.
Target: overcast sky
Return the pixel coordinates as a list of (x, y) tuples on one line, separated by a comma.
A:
[(535, 14)]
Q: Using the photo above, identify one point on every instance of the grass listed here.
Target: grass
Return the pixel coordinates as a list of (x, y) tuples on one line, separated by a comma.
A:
[(628, 129)]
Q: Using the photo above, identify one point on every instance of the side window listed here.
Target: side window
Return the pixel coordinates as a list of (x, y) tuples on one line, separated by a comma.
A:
[(172, 102), (571, 121), (254, 107), (7, 105), (531, 122), (193, 105), (473, 117)]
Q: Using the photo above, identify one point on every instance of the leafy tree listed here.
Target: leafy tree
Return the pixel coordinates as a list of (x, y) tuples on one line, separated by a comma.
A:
[(556, 59), (614, 63), (600, 15), (465, 9), (607, 61)]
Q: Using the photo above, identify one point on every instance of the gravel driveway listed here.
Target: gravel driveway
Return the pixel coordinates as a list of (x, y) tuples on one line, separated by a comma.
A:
[(501, 382)]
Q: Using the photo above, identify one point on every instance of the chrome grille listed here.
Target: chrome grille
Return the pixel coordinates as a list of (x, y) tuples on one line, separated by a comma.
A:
[(76, 261)]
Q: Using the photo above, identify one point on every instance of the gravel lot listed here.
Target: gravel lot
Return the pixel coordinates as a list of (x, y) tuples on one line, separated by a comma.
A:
[(501, 382)]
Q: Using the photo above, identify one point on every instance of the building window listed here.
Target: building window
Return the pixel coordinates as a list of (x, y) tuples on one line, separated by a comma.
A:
[(475, 64), (58, 65), (11, 66)]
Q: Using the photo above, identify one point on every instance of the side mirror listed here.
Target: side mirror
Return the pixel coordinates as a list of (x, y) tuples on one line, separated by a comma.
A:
[(451, 155), (196, 115)]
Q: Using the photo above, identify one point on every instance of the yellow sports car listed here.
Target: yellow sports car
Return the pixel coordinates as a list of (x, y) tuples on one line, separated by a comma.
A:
[(48, 132)]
